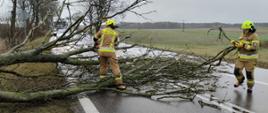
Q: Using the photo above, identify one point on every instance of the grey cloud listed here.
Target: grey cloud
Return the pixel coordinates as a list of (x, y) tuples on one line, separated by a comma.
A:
[(231, 11)]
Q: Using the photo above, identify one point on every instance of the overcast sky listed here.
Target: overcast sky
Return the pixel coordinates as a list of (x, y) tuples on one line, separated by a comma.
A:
[(228, 11), (231, 11)]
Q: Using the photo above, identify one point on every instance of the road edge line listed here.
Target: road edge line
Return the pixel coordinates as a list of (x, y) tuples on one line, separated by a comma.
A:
[(87, 105)]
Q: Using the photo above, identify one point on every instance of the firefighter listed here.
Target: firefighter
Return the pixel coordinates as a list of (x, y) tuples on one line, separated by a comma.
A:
[(107, 39), (247, 56)]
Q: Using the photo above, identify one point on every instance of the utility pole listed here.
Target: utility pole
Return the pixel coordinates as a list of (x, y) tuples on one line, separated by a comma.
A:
[(183, 25)]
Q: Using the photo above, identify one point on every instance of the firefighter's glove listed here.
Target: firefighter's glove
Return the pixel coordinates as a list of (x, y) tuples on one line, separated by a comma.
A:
[(95, 39), (237, 44)]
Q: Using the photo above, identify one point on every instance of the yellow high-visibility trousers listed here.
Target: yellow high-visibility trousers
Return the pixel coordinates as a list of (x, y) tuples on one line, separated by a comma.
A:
[(106, 59), (249, 67)]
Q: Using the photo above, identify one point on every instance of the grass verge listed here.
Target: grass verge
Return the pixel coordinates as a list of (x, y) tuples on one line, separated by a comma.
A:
[(36, 77), (193, 41)]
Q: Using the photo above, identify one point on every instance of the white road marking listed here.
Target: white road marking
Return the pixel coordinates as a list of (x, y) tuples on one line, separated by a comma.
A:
[(227, 106), (257, 82), (87, 105)]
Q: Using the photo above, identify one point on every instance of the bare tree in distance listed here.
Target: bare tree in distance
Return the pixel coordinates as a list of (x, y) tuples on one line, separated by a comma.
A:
[(26, 14)]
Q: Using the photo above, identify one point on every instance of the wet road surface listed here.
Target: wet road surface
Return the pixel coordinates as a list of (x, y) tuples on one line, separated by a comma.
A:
[(108, 102), (236, 99), (257, 101)]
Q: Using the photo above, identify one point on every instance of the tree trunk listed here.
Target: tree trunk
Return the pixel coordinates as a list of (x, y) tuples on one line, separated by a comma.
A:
[(13, 23), (7, 96)]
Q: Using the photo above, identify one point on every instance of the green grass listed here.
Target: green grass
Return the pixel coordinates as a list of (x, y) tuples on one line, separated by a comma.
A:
[(196, 41)]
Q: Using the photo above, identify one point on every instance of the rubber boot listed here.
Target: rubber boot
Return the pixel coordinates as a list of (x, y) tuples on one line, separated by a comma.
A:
[(119, 83), (239, 82)]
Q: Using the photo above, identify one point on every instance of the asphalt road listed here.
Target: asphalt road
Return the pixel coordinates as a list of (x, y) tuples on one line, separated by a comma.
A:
[(108, 102), (234, 100)]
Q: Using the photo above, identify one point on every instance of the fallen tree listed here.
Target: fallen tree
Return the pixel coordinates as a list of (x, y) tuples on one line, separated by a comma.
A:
[(149, 76)]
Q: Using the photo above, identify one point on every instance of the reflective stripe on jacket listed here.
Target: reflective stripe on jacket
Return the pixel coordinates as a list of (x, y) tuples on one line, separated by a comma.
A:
[(107, 40), (250, 49)]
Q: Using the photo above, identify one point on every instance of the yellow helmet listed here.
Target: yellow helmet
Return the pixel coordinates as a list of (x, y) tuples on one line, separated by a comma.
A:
[(247, 25), (110, 22)]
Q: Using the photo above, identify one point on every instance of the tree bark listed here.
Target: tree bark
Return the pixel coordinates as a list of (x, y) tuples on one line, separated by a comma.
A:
[(6, 96), (13, 23)]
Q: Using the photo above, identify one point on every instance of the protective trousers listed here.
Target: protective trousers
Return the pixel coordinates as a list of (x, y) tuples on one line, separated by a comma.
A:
[(106, 59), (249, 66)]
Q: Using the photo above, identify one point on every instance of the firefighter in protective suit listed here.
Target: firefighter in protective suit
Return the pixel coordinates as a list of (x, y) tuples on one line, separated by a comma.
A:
[(247, 56), (107, 39)]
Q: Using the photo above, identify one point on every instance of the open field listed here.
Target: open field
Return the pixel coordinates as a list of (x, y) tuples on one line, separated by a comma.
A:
[(193, 41)]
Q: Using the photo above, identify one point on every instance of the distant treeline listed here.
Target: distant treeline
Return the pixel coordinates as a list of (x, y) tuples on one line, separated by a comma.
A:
[(174, 25)]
